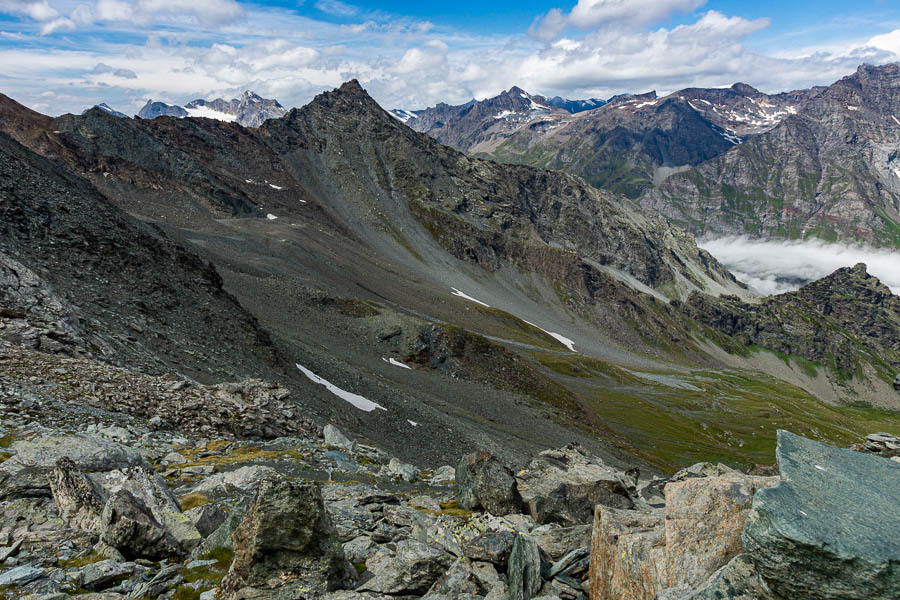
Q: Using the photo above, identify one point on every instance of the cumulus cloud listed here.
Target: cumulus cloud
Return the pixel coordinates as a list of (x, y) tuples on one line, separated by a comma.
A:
[(774, 267), (39, 10), (593, 14)]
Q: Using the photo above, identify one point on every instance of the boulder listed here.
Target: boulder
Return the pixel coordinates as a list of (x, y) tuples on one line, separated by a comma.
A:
[(444, 474), (703, 469), (244, 479), (704, 521), (206, 518), (628, 554), (335, 437), (564, 485), (558, 541), (482, 482), (30, 482), (524, 570), (400, 470), (221, 537), (458, 583), (286, 546), (20, 576), (100, 575), (492, 546), (411, 569), (79, 500), (129, 527), (829, 529), (88, 453), (153, 493)]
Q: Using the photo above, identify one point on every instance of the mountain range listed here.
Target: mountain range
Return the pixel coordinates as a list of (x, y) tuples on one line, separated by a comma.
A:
[(250, 110), (815, 162), (453, 301)]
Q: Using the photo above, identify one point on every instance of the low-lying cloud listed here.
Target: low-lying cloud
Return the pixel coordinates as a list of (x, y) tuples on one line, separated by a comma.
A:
[(774, 267)]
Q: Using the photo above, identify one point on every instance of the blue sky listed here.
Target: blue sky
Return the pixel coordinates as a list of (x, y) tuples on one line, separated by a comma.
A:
[(64, 55)]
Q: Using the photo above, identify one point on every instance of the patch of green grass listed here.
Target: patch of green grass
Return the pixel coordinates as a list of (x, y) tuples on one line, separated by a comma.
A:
[(222, 556), (236, 455), (514, 328), (4, 456), (7, 440), (360, 568), (81, 561)]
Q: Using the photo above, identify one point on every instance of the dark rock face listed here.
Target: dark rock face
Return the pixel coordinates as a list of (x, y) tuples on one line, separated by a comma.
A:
[(153, 109), (129, 527), (829, 529), (802, 322), (286, 546), (897, 383), (829, 170), (483, 482)]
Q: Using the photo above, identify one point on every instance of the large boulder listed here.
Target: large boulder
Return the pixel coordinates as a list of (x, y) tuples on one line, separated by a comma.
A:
[(88, 453), (628, 554), (412, 569), (564, 485), (829, 529), (286, 546), (738, 580), (459, 582), (482, 482), (152, 492), (704, 521), (129, 527)]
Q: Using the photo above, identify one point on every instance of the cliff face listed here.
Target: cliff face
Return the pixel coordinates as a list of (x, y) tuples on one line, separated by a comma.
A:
[(828, 171)]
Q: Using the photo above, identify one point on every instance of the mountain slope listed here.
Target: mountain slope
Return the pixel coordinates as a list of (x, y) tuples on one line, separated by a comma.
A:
[(531, 308), (829, 171)]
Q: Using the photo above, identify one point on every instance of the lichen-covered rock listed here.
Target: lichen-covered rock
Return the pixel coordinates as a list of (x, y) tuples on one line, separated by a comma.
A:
[(206, 518), (628, 554), (78, 499), (411, 569), (524, 570), (704, 520), (129, 527), (483, 482), (558, 541), (829, 529), (458, 583), (564, 485), (738, 580), (286, 546), (493, 547)]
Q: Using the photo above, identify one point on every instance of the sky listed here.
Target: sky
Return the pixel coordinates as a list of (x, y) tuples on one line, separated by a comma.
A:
[(60, 56)]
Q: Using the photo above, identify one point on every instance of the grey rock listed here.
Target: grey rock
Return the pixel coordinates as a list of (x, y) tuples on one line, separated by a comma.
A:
[(286, 546), (78, 499), (221, 537), (359, 549), (558, 541), (524, 571), (128, 526), (245, 479), (154, 494), (402, 470), (10, 550), (493, 547), (206, 518), (737, 580), (702, 469), (30, 482), (444, 474), (89, 453), (897, 382), (335, 437), (483, 482), (99, 575), (564, 485), (829, 529), (458, 583), (412, 569), (20, 575)]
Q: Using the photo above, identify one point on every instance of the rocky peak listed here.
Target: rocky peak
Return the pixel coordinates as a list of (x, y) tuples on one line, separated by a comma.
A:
[(745, 90)]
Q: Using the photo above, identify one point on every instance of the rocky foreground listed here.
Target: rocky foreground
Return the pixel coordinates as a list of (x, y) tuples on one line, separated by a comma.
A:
[(107, 501)]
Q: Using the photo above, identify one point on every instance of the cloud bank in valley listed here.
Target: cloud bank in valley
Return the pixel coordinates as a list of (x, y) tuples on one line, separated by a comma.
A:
[(774, 267)]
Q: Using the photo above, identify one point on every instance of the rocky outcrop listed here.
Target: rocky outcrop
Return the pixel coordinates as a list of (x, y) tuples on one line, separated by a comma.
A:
[(638, 554), (79, 501), (829, 529), (86, 453), (286, 546), (524, 570), (129, 527), (412, 568), (482, 481), (564, 485)]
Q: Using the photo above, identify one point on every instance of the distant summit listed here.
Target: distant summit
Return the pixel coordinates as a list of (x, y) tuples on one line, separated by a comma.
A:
[(106, 108), (250, 110)]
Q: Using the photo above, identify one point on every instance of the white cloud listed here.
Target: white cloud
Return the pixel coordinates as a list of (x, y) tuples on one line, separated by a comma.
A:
[(887, 41), (774, 267), (335, 7), (39, 10), (593, 14)]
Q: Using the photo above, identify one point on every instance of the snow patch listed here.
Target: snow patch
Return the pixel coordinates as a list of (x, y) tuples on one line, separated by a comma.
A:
[(560, 338), (895, 120), (852, 107), (651, 103), (504, 114), (355, 399), (396, 363), (464, 296), (271, 217), (413, 423), (275, 187)]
